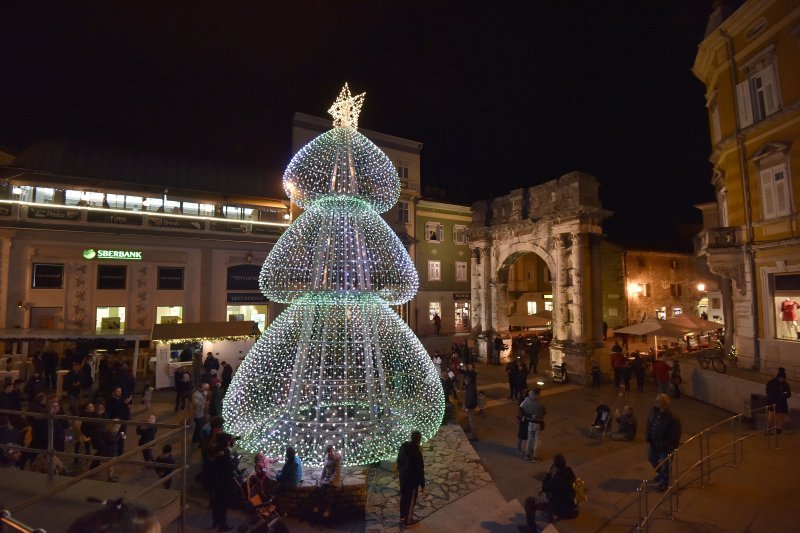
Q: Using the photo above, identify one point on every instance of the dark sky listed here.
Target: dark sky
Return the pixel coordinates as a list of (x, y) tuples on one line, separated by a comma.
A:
[(503, 96)]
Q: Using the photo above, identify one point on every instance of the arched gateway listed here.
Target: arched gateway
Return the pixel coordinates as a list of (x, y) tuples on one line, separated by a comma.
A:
[(560, 222)]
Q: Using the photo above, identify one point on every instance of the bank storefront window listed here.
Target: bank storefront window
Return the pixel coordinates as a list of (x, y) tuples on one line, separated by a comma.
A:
[(112, 277), (110, 320), (47, 276), (169, 314)]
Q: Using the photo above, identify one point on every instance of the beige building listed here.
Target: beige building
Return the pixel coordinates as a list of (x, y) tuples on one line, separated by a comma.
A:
[(748, 62)]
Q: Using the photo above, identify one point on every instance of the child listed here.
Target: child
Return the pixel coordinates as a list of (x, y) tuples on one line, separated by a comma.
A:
[(595, 374), (481, 402), (147, 396)]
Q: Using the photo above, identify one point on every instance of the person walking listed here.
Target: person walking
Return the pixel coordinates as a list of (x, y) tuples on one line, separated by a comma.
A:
[(778, 394), (411, 469), (147, 433), (663, 437), (675, 379), (199, 410), (511, 372), (534, 355), (637, 365), (521, 381), (534, 411)]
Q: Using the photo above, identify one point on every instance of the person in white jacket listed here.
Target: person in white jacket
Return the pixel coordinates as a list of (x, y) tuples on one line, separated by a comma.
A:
[(330, 477)]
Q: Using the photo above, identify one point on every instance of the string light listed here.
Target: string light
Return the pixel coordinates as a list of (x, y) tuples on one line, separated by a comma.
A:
[(338, 366)]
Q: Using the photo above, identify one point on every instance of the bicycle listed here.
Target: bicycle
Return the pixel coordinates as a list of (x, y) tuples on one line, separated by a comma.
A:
[(715, 359), (708, 358)]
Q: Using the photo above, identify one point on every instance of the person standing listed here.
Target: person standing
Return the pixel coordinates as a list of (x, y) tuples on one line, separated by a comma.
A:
[(617, 362), (663, 437), (511, 372), (534, 355), (197, 366), (199, 409), (221, 482), (165, 457), (437, 361), (180, 397), (661, 371), (534, 411), (778, 394), (227, 376), (147, 433), (411, 469), (72, 385), (675, 379), (470, 398), (637, 365), (521, 381), (437, 323)]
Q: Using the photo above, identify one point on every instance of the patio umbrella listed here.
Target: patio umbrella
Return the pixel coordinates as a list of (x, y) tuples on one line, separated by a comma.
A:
[(694, 322), (657, 328)]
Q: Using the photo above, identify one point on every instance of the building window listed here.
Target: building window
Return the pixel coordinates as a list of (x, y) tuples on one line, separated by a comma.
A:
[(676, 311), (675, 290), (434, 308), (757, 96), (110, 320), (169, 314), (402, 169), (256, 313), (548, 305), (402, 212), (461, 271), (170, 279), (433, 232), (47, 276), (434, 270), (459, 234), (531, 308), (112, 277), (775, 193)]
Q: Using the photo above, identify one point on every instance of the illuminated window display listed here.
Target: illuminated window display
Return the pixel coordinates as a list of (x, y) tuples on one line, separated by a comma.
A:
[(256, 313), (338, 366), (169, 314), (110, 320)]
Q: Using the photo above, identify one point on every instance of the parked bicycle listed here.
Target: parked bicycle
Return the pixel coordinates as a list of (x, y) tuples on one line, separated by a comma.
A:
[(714, 358)]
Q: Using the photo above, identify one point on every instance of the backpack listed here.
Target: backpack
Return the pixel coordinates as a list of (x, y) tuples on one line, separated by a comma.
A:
[(579, 488)]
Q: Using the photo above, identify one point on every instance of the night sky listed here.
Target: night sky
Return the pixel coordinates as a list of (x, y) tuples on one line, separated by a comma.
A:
[(510, 95)]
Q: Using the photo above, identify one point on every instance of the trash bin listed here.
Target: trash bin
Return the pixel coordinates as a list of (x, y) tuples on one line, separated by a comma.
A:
[(560, 372)]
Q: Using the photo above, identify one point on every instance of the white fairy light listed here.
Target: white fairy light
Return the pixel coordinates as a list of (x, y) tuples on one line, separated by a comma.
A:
[(338, 366)]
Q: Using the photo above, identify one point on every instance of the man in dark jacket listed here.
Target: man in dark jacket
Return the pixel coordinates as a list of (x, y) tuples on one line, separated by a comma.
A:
[(663, 437), (559, 496), (411, 468), (227, 376)]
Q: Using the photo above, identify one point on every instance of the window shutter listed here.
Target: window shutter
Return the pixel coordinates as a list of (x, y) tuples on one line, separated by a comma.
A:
[(716, 130), (770, 89), (781, 184), (767, 195), (745, 104)]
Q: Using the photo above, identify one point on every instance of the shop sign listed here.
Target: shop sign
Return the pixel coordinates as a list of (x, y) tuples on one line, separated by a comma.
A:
[(114, 218), (54, 213), (232, 227), (181, 223), (112, 255), (243, 278), (247, 298), (461, 296), (47, 276)]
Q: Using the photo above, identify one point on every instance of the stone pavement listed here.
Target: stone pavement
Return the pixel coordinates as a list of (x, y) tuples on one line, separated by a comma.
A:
[(479, 486)]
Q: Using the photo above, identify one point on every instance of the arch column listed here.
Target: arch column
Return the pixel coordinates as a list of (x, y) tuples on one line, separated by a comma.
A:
[(500, 301), (475, 292), (560, 314), (579, 287), (485, 291)]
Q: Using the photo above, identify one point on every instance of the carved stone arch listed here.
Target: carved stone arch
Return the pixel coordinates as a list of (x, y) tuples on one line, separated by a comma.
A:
[(517, 250)]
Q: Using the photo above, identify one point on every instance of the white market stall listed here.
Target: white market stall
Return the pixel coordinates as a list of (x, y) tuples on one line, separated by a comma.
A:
[(228, 341)]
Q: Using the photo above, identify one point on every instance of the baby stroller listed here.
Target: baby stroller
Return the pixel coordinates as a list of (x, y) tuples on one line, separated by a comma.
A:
[(261, 507), (602, 421)]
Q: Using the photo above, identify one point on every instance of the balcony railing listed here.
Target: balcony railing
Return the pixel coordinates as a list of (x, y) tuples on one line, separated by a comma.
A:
[(716, 238)]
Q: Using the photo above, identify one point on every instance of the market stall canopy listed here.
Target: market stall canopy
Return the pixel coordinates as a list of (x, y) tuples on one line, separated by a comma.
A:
[(27, 334), (205, 331), (544, 314), (660, 328), (528, 321), (695, 322)]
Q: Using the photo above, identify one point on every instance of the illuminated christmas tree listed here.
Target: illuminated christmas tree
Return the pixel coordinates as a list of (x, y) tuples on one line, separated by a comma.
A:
[(338, 366)]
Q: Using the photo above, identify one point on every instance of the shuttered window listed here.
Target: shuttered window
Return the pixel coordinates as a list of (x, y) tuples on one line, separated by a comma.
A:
[(775, 191)]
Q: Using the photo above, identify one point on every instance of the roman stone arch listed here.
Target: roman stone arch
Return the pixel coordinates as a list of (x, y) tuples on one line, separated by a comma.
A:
[(560, 222)]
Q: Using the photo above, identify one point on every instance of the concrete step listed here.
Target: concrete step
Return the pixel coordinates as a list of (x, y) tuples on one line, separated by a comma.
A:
[(504, 518)]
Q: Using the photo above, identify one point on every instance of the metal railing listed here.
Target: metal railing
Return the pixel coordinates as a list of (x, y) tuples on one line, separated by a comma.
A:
[(176, 432), (702, 468)]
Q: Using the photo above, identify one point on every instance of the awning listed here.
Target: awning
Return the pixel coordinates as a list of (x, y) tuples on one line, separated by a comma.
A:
[(29, 334), (205, 331)]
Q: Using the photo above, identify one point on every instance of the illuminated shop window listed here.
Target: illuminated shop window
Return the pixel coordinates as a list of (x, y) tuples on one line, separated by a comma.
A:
[(169, 314), (110, 320), (256, 313), (531, 308), (434, 308)]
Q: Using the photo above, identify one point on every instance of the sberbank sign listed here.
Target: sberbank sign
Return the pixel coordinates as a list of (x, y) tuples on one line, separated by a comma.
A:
[(117, 255)]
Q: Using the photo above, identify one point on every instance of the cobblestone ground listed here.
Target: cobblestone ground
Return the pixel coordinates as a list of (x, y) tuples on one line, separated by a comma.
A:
[(452, 468)]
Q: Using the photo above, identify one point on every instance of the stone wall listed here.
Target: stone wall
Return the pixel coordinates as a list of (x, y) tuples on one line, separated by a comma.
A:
[(347, 501)]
